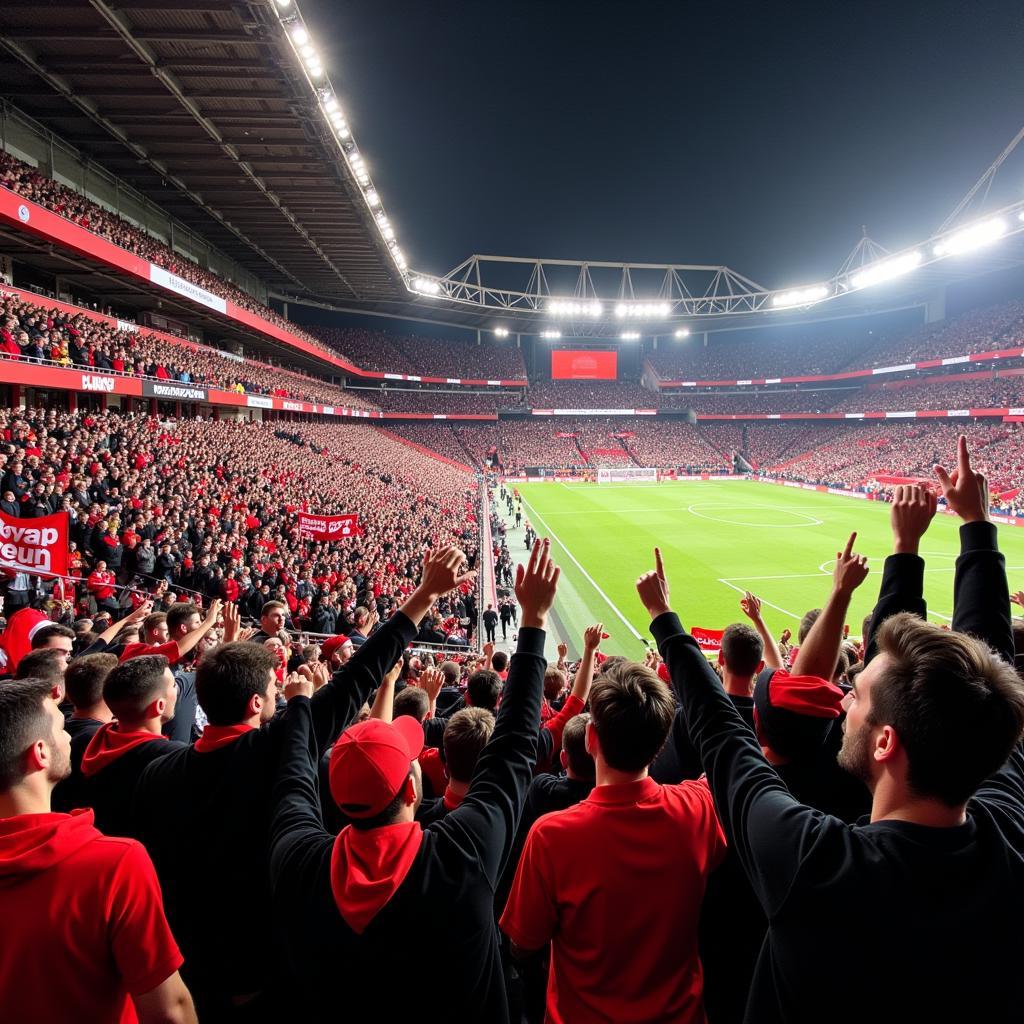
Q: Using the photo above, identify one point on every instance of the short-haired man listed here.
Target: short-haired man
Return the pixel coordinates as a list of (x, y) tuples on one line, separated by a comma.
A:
[(363, 621), (71, 896), (465, 737), (54, 636), (927, 896), (204, 811), (141, 694), (349, 901), (273, 616), (620, 950)]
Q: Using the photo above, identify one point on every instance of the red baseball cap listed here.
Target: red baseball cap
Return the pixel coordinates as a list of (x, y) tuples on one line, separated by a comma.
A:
[(331, 644), (370, 763)]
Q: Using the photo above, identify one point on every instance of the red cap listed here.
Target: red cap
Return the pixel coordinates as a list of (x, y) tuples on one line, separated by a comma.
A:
[(331, 644), (805, 695), (370, 763)]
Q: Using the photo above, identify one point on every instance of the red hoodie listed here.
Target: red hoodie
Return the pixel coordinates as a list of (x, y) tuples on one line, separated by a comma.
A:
[(72, 897), (109, 743)]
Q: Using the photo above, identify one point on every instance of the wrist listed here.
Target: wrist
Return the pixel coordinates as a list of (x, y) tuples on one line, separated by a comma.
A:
[(654, 611), (905, 545), (532, 620)]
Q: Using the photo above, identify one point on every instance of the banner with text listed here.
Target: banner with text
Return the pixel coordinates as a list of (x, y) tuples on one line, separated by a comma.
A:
[(328, 527), (37, 546), (707, 639)]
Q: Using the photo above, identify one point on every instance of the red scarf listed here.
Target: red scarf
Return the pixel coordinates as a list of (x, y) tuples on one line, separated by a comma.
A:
[(368, 867), (216, 736), (110, 743)]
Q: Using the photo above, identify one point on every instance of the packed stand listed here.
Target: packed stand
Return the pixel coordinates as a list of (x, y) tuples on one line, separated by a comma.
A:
[(438, 402), (563, 394), (34, 333), (986, 393), (438, 437), (425, 357)]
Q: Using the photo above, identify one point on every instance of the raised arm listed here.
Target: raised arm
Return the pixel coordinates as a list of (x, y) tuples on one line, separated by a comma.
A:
[(981, 594), (750, 605), (768, 828), (902, 589), (819, 653), (383, 707), (550, 739), (487, 818)]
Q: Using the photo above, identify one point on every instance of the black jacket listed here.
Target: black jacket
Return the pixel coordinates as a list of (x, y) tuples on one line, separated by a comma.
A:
[(204, 818), (951, 898), (449, 889)]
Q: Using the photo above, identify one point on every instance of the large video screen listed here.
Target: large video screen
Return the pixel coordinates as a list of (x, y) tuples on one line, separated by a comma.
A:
[(570, 364)]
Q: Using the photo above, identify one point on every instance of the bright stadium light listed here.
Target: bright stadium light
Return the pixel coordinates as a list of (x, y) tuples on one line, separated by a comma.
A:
[(427, 286), (973, 237), (800, 296), (886, 270), (550, 334), (501, 332), (682, 332), (630, 336), (372, 198), (284, 4), (642, 310), (591, 308), (300, 36)]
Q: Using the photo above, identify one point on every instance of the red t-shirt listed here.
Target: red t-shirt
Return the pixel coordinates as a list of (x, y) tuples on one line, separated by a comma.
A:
[(83, 920), (615, 883)]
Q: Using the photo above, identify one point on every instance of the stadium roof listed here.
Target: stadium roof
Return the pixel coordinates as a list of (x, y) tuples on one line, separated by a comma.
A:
[(202, 106)]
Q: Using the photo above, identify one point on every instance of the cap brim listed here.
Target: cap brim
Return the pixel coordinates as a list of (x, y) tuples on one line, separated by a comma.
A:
[(411, 732)]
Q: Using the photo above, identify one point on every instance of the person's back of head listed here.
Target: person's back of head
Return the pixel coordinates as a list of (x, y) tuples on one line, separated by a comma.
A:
[(499, 661), (452, 673), (30, 725), (484, 689), (412, 701), (631, 712), (465, 736), (233, 679), (576, 758), (554, 681), (84, 679), (809, 619), (742, 651), (135, 689), (956, 708)]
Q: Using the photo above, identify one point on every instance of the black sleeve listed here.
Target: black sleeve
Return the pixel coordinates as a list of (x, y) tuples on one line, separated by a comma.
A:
[(337, 704), (902, 590), (295, 824), (484, 824), (981, 595), (769, 830)]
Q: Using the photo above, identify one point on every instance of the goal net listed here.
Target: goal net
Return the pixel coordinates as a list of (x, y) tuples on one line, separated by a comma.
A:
[(624, 474)]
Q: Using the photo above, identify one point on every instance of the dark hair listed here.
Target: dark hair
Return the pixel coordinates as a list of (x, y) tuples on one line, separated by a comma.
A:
[(412, 701), (46, 633), (806, 623), (465, 735), (83, 681), (229, 676), (957, 708), (134, 685), (45, 663), (452, 673), (499, 661), (574, 741), (178, 614), (554, 681), (483, 689), (742, 649), (632, 711), (23, 720), (385, 817)]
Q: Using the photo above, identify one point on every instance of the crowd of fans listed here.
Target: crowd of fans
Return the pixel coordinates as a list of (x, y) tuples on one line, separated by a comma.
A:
[(589, 394), (438, 401)]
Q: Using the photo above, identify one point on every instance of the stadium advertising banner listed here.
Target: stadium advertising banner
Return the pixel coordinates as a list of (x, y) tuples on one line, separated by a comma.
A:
[(571, 364), (321, 528), (38, 546), (180, 286), (173, 390)]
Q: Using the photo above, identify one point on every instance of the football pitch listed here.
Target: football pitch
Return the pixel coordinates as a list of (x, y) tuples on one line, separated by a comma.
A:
[(718, 540)]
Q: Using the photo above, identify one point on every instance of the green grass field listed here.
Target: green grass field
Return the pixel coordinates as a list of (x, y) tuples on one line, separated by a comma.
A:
[(719, 539)]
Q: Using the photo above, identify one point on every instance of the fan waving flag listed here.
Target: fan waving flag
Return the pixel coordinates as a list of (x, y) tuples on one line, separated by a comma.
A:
[(328, 527)]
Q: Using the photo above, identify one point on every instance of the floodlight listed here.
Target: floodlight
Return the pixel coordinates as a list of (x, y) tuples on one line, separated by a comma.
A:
[(630, 335), (682, 332), (800, 296), (307, 50), (501, 332), (426, 285), (972, 237), (886, 270), (621, 309), (330, 104), (388, 232), (550, 334), (569, 307), (300, 36), (372, 198), (284, 4)]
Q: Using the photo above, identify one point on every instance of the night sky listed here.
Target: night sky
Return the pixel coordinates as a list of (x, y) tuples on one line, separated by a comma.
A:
[(758, 135)]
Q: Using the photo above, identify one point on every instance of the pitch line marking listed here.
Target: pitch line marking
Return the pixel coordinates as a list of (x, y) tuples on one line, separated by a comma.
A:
[(808, 520), (740, 590), (590, 579)]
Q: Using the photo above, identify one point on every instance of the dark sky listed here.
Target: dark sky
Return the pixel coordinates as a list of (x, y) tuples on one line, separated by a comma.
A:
[(759, 135)]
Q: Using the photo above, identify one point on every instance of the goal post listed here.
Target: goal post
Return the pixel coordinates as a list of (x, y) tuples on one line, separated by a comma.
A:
[(626, 474)]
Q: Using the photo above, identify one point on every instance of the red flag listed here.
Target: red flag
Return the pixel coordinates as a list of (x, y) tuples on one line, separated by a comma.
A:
[(37, 546), (707, 639), (328, 527)]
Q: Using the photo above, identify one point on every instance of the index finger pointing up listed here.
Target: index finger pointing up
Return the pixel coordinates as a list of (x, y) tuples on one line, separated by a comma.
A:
[(659, 565)]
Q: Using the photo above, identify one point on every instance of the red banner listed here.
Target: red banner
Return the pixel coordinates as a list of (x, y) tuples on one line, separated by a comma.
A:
[(707, 639), (328, 527), (38, 546)]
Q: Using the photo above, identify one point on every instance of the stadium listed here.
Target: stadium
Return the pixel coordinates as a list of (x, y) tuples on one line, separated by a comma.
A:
[(640, 632)]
